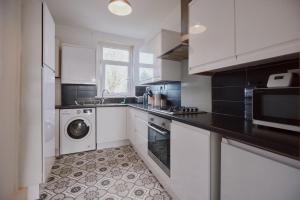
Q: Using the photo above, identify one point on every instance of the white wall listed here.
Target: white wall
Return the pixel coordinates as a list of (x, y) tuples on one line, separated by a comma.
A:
[(10, 11), (85, 37), (195, 89)]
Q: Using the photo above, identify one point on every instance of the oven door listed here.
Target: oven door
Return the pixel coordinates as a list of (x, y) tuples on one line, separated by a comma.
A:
[(277, 107), (159, 146)]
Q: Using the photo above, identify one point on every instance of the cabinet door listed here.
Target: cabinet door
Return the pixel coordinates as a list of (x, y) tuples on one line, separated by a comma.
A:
[(264, 23), (248, 176), (111, 124), (190, 162), (57, 58), (141, 133), (48, 38), (78, 65), (217, 43), (155, 45)]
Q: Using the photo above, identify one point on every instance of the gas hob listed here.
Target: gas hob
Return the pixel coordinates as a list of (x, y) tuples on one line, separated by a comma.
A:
[(177, 110)]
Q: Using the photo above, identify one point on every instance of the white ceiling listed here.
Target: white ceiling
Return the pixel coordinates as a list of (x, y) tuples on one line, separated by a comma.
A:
[(147, 16)]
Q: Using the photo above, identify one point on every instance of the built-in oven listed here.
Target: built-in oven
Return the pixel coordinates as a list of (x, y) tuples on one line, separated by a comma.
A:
[(277, 107), (159, 141)]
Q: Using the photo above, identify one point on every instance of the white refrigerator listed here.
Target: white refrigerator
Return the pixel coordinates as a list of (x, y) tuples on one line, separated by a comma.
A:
[(48, 119)]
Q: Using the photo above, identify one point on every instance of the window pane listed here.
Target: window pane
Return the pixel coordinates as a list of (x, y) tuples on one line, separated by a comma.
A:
[(116, 78), (116, 54), (146, 58), (145, 73)]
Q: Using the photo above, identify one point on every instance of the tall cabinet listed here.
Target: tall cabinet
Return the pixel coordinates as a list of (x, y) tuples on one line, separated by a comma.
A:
[(36, 148), (48, 92)]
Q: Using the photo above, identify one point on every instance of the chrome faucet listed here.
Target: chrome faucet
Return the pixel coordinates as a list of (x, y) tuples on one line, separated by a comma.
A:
[(102, 95)]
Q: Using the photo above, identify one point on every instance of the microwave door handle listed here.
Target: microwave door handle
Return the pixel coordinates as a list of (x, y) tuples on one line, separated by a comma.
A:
[(156, 129)]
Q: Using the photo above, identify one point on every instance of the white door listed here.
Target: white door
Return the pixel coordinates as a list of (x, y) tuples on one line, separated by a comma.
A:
[(48, 116), (217, 43), (190, 162), (246, 175), (265, 23)]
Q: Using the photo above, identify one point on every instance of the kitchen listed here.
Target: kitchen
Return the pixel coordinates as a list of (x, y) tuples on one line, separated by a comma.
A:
[(126, 99)]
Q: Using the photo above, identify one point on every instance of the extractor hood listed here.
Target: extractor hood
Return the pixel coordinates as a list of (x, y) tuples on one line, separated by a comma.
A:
[(181, 51)]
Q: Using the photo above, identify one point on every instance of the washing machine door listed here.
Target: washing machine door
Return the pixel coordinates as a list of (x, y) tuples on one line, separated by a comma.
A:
[(78, 129)]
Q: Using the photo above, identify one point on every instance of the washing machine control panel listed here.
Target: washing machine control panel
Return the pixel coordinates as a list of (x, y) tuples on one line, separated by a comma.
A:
[(88, 110)]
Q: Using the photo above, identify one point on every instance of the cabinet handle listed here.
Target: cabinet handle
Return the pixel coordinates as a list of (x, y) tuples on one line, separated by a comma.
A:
[(159, 131)]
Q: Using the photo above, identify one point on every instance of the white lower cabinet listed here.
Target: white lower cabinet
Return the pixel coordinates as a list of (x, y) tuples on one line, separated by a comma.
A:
[(111, 126), (137, 130), (249, 173), (190, 162)]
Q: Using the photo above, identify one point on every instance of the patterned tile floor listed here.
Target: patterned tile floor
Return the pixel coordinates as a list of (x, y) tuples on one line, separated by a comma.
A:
[(108, 174)]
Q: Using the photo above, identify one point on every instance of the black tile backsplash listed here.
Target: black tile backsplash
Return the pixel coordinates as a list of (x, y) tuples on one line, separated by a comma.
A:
[(140, 90), (229, 78), (235, 108), (231, 89), (235, 93), (72, 92)]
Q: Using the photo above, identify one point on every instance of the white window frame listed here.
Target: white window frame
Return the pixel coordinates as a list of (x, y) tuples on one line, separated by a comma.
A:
[(101, 68), (143, 65)]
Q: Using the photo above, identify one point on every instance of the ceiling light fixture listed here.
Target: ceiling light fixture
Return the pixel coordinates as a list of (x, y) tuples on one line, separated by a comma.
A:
[(196, 29), (119, 7)]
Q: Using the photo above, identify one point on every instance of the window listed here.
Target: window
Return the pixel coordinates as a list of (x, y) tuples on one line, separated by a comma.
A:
[(146, 61), (115, 69)]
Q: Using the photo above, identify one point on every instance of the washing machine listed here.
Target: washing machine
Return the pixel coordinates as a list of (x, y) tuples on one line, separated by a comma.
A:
[(77, 130)]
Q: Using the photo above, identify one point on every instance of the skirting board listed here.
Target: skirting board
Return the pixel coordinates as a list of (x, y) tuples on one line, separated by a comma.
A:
[(112, 144)]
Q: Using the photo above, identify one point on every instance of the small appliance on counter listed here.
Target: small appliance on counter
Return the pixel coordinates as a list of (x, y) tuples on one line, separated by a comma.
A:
[(148, 97), (287, 79), (277, 107), (157, 99)]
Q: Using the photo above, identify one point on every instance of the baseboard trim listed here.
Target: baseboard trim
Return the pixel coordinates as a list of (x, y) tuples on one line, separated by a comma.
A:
[(112, 144)]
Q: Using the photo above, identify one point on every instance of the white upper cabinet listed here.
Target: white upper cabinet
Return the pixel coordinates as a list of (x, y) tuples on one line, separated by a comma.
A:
[(267, 28), (163, 70), (215, 47), (78, 65), (242, 31), (48, 38)]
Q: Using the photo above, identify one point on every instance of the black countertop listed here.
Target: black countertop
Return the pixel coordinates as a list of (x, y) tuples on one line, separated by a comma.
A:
[(285, 143)]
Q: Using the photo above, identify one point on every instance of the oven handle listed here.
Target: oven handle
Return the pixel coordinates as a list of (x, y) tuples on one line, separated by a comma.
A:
[(156, 129)]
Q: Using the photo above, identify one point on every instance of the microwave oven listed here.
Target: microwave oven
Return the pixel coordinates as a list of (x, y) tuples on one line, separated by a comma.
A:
[(277, 108)]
